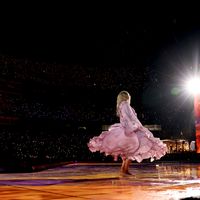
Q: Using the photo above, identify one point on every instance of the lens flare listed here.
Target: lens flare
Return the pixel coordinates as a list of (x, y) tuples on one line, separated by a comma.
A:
[(193, 85)]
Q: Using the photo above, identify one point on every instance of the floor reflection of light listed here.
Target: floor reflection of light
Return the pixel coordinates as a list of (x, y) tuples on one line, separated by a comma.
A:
[(191, 192), (149, 181), (182, 182), (186, 193)]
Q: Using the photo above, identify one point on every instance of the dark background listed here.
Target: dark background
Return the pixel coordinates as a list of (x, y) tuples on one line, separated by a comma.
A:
[(62, 68)]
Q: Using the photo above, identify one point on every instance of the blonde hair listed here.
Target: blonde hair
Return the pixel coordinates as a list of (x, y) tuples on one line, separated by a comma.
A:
[(122, 96)]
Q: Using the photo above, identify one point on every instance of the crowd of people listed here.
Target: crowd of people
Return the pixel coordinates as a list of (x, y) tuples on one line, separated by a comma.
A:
[(76, 95), (35, 144), (68, 92), (44, 93)]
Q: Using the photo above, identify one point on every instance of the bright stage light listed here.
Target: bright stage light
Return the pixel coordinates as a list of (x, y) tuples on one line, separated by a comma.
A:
[(193, 85)]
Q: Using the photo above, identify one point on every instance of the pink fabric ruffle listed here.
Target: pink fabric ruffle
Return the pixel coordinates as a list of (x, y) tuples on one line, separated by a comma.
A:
[(128, 139)]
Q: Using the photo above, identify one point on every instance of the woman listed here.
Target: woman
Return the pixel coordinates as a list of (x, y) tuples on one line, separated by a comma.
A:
[(128, 139)]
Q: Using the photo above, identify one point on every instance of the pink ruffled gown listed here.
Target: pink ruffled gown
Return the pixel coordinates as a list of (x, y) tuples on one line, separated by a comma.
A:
[(128, 139)]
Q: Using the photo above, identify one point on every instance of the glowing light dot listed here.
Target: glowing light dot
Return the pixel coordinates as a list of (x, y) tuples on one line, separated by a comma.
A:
[(193, 85)]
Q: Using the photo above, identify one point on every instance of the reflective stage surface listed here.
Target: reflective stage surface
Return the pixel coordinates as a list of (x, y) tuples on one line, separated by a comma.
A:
[(102, 181)]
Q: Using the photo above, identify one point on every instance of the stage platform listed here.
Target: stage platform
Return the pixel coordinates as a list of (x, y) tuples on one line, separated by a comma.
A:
[(102, 181)]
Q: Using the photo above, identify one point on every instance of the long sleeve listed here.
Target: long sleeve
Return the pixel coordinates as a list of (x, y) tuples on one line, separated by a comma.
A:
[(128, 118)]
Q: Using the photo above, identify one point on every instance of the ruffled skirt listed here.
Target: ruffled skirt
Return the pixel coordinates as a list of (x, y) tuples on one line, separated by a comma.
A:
[(137, 145)]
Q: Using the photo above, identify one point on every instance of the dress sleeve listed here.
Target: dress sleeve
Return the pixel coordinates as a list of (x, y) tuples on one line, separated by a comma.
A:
[(128, 118)]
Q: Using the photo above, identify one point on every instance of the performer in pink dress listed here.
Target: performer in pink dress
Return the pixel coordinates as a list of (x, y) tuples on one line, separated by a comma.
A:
[(128, 139)]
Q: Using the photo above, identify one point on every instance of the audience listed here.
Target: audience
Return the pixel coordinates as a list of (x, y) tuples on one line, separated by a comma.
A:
[(53, 109)]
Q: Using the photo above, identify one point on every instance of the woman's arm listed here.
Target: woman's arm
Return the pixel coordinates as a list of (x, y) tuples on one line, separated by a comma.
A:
[(131, 122), (128, 118)]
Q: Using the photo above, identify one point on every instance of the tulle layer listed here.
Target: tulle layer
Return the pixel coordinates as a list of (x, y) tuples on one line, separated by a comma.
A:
[(137, 145)]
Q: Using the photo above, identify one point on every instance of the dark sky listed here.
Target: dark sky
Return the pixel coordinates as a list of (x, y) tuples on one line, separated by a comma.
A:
[(140, 36)]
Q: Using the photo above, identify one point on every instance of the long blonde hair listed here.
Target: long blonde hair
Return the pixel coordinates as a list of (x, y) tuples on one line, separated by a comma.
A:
[(122, 96)]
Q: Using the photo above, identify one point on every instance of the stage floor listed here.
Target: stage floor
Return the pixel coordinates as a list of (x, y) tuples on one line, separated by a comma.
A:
[(101, 181)]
